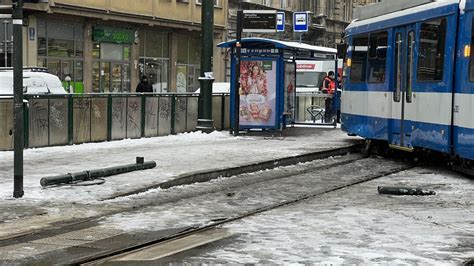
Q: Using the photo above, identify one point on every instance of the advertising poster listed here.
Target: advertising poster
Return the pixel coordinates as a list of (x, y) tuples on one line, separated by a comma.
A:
[(290, 92), (257, 93)]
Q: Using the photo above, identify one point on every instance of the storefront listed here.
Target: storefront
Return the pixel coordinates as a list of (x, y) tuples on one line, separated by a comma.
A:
[(112, 58)]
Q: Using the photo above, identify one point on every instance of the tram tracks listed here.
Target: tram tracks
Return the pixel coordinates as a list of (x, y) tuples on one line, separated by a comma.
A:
[(148, 250)]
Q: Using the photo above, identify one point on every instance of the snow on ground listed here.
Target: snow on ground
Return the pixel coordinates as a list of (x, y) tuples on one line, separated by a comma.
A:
[(178, 154)]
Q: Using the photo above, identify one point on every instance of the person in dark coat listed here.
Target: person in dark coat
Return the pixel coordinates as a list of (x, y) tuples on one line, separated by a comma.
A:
[(144, 86)]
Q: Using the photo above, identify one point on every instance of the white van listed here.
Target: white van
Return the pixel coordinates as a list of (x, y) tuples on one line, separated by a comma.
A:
[(310, 74), (35, 81)]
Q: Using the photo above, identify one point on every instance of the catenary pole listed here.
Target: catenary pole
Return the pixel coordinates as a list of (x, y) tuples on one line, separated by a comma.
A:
[(17, 16), (205, 122), (238, 45)]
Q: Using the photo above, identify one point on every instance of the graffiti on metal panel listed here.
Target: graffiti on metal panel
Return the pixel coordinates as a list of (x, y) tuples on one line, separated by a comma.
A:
[(96, 111), (133, 112), (56, 115), (41, 117), (150, 113), (118, 107), (81, 104), (165, 109)]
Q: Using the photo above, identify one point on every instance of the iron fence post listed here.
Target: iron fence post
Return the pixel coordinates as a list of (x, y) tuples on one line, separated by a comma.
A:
[(109, 117), (173, 114), (70, 119)]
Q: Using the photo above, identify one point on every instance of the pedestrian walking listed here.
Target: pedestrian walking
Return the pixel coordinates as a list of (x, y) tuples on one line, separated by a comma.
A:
[(144, 85)]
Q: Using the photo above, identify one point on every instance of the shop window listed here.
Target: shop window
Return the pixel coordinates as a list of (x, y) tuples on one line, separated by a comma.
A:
[(111, 51), (189, 60), (60, 49), (377, 56), (359, 59), (431, 51), (154, 59)]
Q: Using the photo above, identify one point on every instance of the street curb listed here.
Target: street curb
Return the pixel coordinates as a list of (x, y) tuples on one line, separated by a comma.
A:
[(205, 176)]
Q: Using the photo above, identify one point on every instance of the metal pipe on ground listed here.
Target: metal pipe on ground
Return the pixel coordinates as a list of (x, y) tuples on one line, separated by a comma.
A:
[(404, 191), (97, 173)]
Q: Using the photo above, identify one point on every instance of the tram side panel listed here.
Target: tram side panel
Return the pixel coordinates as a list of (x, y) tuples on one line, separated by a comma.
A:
[(464, 87), (365, 102)]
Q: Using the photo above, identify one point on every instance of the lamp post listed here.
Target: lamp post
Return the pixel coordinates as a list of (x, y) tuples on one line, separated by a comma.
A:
[(18, 140)]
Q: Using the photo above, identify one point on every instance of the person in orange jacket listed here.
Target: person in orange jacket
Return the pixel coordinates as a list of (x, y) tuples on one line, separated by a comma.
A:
[(329, 87)]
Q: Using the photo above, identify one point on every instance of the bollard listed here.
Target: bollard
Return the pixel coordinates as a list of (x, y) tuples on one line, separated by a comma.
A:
[(94, 174)]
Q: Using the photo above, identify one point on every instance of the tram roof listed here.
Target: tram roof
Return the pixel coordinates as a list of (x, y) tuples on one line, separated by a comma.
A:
[(264, 43), (430, 10)]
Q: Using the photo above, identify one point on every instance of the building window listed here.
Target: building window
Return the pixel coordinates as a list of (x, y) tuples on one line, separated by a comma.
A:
[(431, 51), (6, 45), (60, 49), (359, 59), (377, 56), (154, 59), (216, 2)]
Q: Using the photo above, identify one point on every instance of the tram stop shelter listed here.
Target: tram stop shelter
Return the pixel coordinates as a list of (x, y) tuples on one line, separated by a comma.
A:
[(268, 81)]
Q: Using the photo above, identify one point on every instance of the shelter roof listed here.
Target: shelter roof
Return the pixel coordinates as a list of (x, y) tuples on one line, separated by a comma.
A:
[(264, 43)]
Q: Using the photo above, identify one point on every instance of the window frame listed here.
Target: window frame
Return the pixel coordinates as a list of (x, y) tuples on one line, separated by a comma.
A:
[(353, 49), (418, 51), (376, 58)]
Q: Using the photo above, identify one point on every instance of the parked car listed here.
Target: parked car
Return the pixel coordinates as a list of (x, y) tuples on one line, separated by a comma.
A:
[(35, 81)]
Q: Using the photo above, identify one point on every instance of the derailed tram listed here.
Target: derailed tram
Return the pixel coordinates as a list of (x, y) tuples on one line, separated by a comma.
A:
[(410, 76)]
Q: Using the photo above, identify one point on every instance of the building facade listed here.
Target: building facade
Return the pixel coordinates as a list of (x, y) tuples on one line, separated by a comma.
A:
[(107, 45), (329, 18)]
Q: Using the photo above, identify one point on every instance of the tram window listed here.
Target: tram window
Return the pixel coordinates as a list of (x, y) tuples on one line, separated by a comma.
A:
[(432, 49), (359, 59), (377, 57)]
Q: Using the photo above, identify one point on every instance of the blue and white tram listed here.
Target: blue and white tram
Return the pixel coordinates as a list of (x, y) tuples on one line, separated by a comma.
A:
[(410, 77)]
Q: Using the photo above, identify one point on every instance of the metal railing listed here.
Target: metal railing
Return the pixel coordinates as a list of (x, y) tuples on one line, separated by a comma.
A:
[(52, 120)]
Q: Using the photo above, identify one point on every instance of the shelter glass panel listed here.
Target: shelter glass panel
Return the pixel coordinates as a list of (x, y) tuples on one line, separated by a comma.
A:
[(377, 57), (431, 51), (359, 59)]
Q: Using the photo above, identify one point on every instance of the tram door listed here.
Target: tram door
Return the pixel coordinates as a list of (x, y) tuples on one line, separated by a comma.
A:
[(403, 60)]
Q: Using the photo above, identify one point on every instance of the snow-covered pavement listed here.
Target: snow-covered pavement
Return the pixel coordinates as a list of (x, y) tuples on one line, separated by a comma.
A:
[(175, 155)]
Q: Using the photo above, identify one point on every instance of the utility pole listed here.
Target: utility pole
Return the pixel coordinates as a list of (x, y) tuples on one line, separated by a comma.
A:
[(238, 46), (17, 17), (205, 121)]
